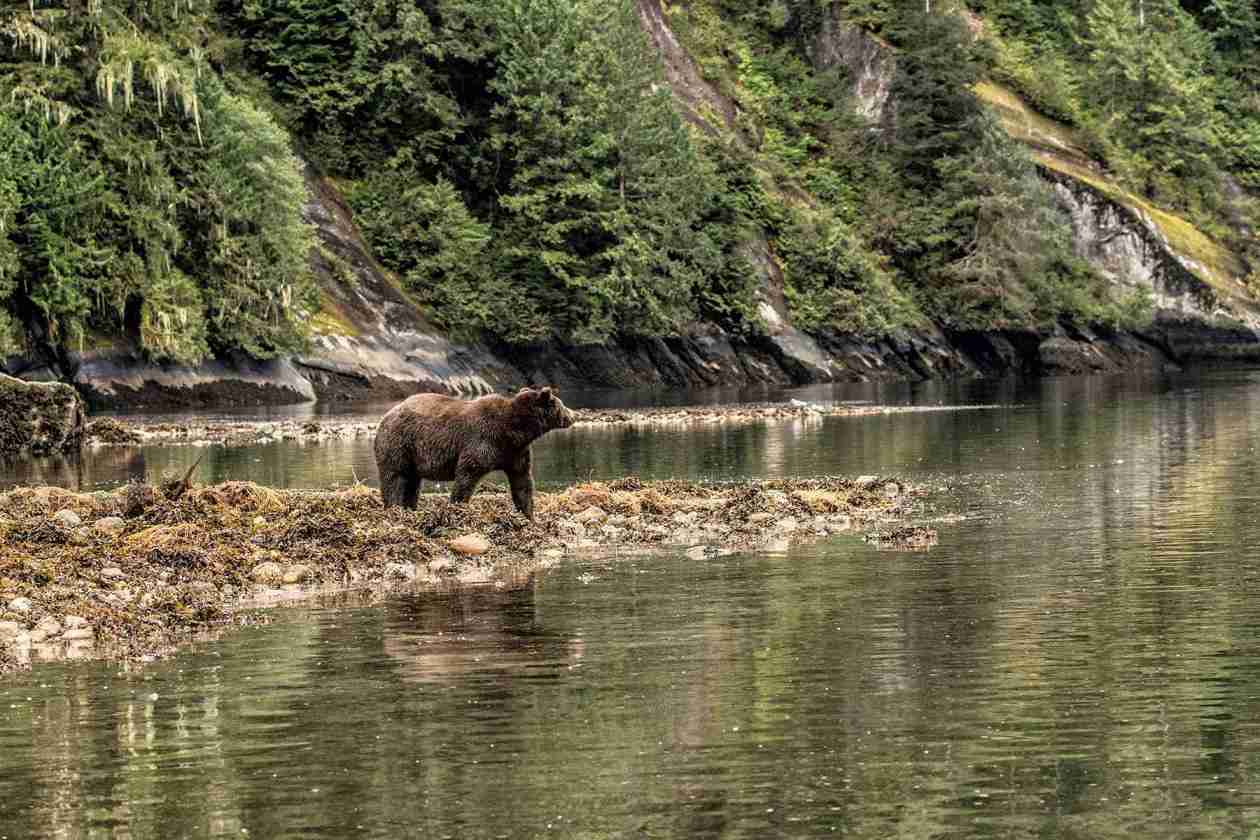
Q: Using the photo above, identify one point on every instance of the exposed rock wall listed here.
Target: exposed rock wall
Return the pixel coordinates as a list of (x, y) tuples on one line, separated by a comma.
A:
[(868, 63), (1193, 321), (38, 418)]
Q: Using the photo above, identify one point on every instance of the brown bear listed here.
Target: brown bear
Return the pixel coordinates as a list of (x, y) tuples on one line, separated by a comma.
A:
[(440, 438)]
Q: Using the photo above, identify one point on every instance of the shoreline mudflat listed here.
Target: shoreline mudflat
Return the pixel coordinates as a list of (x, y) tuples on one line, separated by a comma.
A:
[(108, 431), (132, 573)]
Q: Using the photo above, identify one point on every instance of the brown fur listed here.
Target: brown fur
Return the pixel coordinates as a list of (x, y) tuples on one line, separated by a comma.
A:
[(440, 438)]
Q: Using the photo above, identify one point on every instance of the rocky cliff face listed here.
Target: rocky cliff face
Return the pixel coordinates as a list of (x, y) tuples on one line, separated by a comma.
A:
[(372, 341)]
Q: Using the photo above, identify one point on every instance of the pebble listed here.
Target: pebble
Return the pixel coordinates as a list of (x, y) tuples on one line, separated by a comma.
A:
[(268, 572), (297, 573), (67, 519), (110, 526), (470, 545)]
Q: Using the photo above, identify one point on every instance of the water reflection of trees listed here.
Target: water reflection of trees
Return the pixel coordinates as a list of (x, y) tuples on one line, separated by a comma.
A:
[(1078, 665)]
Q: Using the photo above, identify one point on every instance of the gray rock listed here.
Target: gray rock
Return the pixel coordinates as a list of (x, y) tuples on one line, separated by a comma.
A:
[(110, 526), (21, 605), (268, 572), (67, 519)]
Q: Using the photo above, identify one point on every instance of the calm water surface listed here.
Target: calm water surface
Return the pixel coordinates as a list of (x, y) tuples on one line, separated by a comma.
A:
[(1078, 658)]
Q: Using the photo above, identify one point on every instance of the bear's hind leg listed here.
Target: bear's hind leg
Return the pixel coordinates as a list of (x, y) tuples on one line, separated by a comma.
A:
[(410, 492)]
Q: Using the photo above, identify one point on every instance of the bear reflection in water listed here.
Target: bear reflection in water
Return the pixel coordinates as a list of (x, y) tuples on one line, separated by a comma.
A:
[(483, 632)]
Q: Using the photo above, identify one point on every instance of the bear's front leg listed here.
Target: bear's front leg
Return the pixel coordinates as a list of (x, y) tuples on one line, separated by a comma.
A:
[(521, 480), (466, 480)]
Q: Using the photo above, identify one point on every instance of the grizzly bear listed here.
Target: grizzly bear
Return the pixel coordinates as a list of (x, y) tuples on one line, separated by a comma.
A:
[(431, 436)]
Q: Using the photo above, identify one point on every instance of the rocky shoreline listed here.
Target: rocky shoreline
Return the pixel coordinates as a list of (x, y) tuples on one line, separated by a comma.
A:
[(133, 573), (108, 431)]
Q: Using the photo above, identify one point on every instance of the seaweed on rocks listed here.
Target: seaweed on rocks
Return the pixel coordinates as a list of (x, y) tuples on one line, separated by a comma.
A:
[(139, 570)]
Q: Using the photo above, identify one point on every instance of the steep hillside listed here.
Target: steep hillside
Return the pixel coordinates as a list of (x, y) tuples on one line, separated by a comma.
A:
[(616, 194)]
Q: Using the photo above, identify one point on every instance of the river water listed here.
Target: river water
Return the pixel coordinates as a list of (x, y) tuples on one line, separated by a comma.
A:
[(1077, 658)]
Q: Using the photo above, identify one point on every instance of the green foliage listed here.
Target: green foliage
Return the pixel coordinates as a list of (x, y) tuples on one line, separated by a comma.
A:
[(430, 238), (832, 281), (141, 198), (522, 167)]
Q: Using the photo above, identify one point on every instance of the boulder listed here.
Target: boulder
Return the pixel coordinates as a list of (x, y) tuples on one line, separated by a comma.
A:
[(39, 418), (21, 605)]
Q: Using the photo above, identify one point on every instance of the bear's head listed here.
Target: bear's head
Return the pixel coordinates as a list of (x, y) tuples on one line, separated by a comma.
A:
[(546, 407)]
